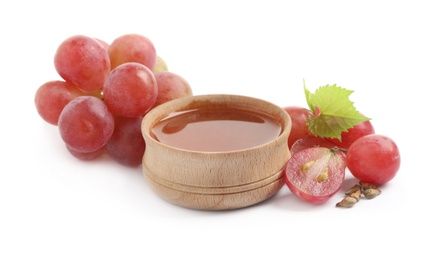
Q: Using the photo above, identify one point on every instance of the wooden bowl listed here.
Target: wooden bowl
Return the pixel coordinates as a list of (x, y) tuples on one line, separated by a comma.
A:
[(215, 180)]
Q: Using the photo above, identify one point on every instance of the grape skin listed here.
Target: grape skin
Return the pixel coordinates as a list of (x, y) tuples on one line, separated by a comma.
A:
[(132, 48), (171, 86), (130, 90), (373, 159), (86, 156), (127, 145), (299, 129), (83, 61), (353, 133), (85, 124), (52, 97)]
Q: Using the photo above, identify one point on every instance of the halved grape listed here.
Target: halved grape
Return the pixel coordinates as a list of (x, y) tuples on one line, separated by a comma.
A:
[(52, 97), (85, 124), (127, 145), (83, 61), (130, 90), (373, 159), (315, 174), (311, 141)]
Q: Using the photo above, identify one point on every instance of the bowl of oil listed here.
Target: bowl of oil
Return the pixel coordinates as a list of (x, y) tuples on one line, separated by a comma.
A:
[(216, 152)]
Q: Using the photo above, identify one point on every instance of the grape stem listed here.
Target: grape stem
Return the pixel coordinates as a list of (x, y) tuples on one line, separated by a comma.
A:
[(335, 149)]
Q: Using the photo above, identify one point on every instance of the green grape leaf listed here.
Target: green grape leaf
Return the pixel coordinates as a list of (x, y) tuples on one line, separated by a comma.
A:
[(333, 112)]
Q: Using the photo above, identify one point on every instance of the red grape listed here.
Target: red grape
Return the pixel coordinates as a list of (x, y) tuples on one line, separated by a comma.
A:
[(103, 43), (315, 174), (52, 97), (127, 145), (299, 129), (348, 137), (83, 61), (171, 86), (85, 124), (87, 156), (130, 90), (373, 159), (132, 48)]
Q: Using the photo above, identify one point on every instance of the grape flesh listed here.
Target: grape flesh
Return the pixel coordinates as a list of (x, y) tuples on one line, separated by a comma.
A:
[(299, 129), (85, 124), (130, 90), (83, 61), (315, 174), (373, 159), (127, 145), (348, 137), (52, 97), (132, 48), (171, 86), (311, 141)]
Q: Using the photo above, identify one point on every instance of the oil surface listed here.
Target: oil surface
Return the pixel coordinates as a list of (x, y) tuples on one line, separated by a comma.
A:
[(216, 130)]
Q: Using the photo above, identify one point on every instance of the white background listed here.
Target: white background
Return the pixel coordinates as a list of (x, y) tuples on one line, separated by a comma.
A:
[(53, 206)]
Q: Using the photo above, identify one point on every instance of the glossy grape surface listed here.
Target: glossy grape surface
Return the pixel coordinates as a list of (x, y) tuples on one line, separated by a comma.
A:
[(373, 159), (83, 61), (299, 129), (348, 137), (52, 97), (85, 124), (171, 86), (127, 145), (130, 90), (132, 48), (86, 156)]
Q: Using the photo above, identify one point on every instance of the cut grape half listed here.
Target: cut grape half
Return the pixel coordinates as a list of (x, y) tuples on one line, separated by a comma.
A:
[(315, 174), (311, 141)]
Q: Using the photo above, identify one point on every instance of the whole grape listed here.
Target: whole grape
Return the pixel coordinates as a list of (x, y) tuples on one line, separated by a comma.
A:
[(130, 90), (373, 159), (171, 86), (132, 48), (52, 97), (86, 156), (352, 134), (127, 145), (86, 124), (83, 61), (299, 129)]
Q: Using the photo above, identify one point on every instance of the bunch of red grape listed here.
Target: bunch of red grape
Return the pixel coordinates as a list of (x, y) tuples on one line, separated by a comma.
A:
[(316, 169), (105, 91)]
